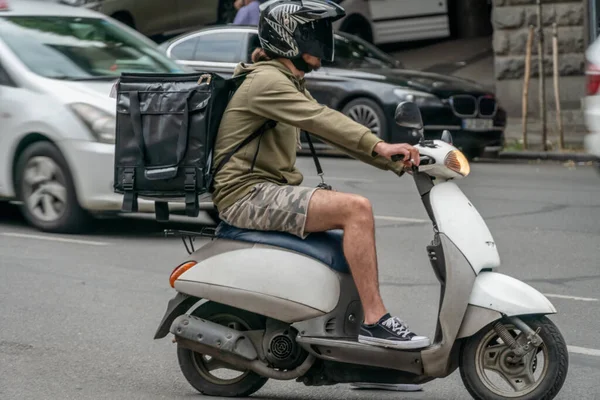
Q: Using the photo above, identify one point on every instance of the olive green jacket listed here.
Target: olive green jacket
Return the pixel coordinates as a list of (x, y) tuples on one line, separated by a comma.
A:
[(271, 91)]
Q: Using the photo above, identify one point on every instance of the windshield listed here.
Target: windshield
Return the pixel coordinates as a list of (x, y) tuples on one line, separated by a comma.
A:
[(351, 53), (80, 48)]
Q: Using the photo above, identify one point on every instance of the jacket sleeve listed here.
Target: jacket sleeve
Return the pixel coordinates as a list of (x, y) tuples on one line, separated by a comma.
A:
[(274, 96), (374, 160)]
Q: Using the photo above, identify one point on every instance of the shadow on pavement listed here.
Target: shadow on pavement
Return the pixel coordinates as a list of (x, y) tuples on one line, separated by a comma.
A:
[(368, 394)]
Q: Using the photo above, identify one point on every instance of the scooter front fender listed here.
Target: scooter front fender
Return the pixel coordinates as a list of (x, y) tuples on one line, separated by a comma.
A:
[(508, 296)]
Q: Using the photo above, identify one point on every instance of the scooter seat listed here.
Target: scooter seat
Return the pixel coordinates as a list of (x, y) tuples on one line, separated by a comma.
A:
[(323, 246)]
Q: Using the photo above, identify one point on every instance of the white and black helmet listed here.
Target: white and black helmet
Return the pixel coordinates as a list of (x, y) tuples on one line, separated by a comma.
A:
[(289, 28)]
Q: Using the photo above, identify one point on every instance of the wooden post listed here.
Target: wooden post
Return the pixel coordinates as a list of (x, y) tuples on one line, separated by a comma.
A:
[(542, 82), (561, 135), (525, 102)]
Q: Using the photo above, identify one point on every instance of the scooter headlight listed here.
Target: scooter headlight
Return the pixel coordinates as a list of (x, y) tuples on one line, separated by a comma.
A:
[(457, 162)]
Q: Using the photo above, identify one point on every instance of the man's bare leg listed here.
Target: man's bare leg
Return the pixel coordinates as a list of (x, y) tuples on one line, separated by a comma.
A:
[(354, 214)]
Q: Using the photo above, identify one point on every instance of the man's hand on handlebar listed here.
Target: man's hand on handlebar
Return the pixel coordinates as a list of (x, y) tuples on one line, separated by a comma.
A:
[(403, 152)]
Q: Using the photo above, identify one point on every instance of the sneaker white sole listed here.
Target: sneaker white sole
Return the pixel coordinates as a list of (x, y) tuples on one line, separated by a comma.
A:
[(395, 344)]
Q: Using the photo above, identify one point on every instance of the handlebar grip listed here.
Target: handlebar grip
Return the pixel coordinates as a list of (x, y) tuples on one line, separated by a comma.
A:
[(398, 157)]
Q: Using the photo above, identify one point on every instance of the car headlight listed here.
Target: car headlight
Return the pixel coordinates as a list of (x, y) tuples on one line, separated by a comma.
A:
[(457, 162), (101, 124), (421, 99)]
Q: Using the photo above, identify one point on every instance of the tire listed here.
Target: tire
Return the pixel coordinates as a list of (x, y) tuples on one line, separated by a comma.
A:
[(45, 186), (368, 113), (192, 363), (493, 154), (553, 373), (473, 152), (226, 12), (124, 18), (358, 26)]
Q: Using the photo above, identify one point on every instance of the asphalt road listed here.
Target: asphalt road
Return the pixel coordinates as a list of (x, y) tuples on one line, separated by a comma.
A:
[(78, 313)]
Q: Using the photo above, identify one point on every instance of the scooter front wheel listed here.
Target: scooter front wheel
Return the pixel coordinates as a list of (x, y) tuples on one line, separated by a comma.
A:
[(490, 370)]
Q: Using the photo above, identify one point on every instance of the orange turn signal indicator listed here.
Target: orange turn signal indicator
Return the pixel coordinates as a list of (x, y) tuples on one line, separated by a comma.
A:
[(177, 272)]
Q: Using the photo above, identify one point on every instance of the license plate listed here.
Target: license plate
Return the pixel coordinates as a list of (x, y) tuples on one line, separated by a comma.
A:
[(477, 124)]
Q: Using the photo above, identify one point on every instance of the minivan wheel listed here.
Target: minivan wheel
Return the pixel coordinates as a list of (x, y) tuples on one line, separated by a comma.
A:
[(225, 12), (45, 188)]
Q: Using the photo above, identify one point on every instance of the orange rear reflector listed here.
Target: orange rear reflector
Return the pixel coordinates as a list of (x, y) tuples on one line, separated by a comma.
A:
[(177, 272)]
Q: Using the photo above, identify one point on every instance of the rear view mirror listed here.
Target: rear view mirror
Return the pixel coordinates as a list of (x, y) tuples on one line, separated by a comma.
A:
[(408, 115), (447, 136)]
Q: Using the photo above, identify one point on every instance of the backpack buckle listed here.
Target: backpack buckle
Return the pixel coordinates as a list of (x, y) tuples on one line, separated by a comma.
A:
[(128, 179), (189, 184)]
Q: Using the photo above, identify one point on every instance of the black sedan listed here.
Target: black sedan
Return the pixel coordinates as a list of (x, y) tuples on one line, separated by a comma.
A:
[(367, 85)]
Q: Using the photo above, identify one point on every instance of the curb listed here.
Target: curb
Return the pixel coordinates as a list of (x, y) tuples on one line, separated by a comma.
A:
[(547, 155)]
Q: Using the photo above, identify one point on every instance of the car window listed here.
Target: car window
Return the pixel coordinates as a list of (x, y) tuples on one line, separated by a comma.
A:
[(74, 48), (216, 47), (185, 50), (353, 54)]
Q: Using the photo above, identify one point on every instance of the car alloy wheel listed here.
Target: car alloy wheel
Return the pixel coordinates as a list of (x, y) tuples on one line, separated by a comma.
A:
[(44, 189), (367, 113), (366, 116)]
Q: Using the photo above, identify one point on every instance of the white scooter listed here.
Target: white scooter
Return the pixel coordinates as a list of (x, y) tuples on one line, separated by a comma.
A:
[(270, 305)]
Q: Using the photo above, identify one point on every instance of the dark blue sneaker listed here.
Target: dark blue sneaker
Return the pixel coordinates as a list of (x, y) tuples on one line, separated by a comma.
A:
[(391, 332)]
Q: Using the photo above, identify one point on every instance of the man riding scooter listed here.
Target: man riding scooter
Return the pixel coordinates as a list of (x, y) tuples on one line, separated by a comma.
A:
[(260, 187)]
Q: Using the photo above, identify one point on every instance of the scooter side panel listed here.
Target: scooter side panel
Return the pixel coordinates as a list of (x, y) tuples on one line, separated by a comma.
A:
[(437, 359), (276, 283), (508, 296), (460, 221)]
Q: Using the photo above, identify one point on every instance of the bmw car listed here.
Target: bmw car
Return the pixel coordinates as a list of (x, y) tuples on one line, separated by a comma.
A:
[(367, 85)]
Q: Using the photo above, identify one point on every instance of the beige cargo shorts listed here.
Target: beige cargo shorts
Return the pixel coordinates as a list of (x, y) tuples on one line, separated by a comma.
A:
[(271, 207)]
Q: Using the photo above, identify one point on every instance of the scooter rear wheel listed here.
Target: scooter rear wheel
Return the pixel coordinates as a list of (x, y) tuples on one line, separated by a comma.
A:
[(489, 371), (199, 369)]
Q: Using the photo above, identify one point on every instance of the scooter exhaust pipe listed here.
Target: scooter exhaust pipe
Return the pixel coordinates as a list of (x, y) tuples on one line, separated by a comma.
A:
[(228, 345)]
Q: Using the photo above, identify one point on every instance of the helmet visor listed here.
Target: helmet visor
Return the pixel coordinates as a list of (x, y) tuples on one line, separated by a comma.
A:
[(316, 39)]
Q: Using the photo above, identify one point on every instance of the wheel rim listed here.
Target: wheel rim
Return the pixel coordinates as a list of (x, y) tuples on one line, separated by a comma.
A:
[(44, 189), (366, 116), (206, 365), (494, 360)]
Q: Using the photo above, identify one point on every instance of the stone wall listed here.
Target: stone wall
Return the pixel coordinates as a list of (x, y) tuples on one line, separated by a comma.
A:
[(511, 19)]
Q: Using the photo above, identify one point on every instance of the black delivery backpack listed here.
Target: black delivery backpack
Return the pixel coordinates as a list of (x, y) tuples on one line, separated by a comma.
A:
[(165, 132)]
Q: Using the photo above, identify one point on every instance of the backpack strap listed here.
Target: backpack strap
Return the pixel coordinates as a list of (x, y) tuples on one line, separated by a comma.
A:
[(190, 184), (270, 124), (321, 185)]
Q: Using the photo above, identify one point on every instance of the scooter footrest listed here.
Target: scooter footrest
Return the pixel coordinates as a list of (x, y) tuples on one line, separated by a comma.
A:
[(353, 352)]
